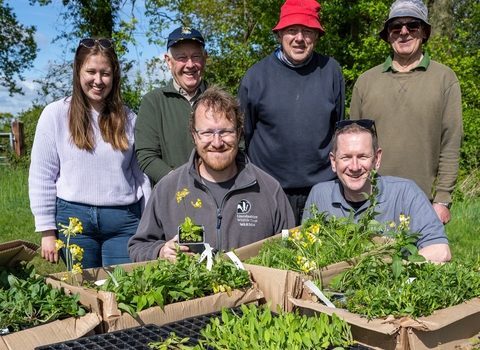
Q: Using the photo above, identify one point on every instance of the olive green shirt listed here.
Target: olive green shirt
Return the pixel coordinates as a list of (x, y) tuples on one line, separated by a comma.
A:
[(418, 116)]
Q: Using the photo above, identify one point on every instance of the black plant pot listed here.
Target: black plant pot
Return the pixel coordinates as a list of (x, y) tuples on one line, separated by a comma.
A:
[(194, 247)]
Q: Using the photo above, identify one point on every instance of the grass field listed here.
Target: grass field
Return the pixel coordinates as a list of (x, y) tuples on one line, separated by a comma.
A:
[(16, 221)]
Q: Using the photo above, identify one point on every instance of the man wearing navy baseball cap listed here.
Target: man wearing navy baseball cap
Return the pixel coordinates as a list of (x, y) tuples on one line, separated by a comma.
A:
[(162, 140)]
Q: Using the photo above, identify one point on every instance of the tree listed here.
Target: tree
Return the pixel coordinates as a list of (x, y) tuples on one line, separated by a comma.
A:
[(6, 120), (239, 33), (93, 18), (441, 17), (461, 52), (17, 49)]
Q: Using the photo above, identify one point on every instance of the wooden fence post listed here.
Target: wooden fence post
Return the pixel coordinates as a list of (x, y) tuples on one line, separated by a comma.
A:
[(19, 138)]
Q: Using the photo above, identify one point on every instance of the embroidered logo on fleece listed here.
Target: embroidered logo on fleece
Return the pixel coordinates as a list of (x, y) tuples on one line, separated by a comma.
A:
[(243, 208)]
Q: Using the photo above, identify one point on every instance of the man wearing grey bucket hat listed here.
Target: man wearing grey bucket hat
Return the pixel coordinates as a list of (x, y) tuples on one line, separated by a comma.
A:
[(416, 104)]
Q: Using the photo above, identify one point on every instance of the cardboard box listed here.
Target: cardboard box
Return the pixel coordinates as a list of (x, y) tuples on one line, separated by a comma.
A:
[(105, 303), (325, 274), (252, 249), (278, 286), (52, 332), (445, 329), (55, 331), (16, 251)]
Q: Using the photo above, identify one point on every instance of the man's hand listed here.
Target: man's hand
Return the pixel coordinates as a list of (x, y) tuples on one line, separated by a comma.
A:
[(49, 250), (443, 213), (169, 250)]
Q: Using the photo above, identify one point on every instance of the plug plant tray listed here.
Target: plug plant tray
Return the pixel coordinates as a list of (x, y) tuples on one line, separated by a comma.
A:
[(191, 327), (136, 338)]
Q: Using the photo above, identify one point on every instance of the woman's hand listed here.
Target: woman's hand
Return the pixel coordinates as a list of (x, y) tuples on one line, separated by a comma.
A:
[(49, 250)]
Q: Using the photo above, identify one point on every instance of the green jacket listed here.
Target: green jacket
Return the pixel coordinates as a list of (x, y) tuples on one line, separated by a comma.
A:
[(162, 140)]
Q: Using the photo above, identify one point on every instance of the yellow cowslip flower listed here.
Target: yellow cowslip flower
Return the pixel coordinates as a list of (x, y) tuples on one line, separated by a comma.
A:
[(59, 244), (315, 229), (77, 268), (297, 235), (393, 224), (305, 245), (182, 194), (197, 204), (306, 265), (64, 278), (74, 227), (76, 251), (311, 237), (404, 222)]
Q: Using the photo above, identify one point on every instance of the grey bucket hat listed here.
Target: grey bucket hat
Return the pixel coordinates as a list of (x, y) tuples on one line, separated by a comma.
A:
[(407, 8)]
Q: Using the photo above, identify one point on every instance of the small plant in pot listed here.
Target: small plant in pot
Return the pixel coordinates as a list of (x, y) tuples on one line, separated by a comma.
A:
[(189, 233)]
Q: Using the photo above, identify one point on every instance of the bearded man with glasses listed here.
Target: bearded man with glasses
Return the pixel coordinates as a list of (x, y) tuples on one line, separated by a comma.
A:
[(417, 106), (240, 203), (355, 154)]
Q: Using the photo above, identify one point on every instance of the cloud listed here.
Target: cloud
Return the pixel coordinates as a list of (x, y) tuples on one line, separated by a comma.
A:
[(18, 103)]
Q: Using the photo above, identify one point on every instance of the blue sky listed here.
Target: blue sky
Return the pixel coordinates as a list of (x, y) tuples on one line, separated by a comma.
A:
[(44, 19)]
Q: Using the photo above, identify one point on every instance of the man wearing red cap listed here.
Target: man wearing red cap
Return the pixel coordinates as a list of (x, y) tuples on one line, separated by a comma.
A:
[(292, 100)]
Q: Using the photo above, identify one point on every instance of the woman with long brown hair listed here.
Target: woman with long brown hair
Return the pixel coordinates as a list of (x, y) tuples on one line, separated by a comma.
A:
[(83, 162)]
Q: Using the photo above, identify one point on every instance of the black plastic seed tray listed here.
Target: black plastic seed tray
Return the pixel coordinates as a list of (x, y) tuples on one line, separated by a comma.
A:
[(136, 338), (191, 327)]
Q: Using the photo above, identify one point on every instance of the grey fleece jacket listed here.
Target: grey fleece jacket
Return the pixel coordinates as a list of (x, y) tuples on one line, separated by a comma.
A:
[(255, 208)]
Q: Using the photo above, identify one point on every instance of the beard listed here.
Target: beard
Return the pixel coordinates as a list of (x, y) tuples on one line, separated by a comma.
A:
[(218, 162)]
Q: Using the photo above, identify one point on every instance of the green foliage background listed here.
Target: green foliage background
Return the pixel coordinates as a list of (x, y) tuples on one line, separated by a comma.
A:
[(238, 34)]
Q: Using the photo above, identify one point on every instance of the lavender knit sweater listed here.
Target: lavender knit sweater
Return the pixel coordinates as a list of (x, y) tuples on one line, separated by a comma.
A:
[(101, 177)]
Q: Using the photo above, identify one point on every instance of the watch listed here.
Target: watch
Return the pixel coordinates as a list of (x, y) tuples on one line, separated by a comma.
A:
[(445, 204)]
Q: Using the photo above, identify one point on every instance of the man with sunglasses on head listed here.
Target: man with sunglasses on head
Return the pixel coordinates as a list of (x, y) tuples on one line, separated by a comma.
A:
[(416, 104), (240, 203), (162, 142), (354, 155), (292, 99)]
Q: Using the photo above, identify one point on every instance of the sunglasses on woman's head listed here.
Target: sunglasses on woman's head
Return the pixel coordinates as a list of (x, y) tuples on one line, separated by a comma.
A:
[(89, 43)]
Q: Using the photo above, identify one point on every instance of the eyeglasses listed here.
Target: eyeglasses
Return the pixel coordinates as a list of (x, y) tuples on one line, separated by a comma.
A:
[(89, 43), (412, 26), (226, 134), (306, 32)]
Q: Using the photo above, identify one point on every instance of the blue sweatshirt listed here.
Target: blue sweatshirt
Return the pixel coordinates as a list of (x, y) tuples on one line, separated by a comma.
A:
[(290, 118)]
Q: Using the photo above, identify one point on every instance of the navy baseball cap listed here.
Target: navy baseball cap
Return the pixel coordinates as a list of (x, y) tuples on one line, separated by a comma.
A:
[(184, 33)]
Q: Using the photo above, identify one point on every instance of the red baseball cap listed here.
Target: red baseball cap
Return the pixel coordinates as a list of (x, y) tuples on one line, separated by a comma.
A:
[(300, 12)]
